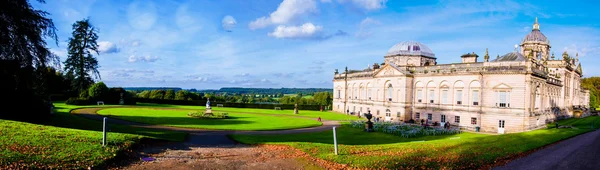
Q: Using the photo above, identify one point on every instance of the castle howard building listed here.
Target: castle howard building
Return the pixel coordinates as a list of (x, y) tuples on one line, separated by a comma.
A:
[(519, 91)]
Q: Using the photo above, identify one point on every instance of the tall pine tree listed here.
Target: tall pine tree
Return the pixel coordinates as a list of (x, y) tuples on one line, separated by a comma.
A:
[(81, 61)]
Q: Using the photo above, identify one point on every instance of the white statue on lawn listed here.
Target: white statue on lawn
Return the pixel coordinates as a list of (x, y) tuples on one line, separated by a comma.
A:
[(208, 109)]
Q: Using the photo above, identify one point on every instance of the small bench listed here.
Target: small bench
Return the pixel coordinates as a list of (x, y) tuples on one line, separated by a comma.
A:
[(277, 108), (100, 102)]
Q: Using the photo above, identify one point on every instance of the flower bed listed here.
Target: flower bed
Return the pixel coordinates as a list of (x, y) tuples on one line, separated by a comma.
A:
[(201, 115), (406, 130)]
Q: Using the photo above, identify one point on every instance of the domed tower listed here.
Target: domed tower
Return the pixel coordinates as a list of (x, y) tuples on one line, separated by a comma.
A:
[(410, 53), (536, 43)]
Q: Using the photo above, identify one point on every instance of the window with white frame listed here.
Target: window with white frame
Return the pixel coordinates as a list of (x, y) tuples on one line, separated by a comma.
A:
[(429, 116), (388, 113), (419, 95), (418, 116), (458, 97), (445, 96), (390, 92), (397, 114), (457, 119), (369, 91), (475, 97), (473, 121), (339, 93), (503, 98), (431, 96), (443, 118)]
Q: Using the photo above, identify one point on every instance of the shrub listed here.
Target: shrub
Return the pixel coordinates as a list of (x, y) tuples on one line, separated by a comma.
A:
[(98, 90), (405, 130), (78, 101)]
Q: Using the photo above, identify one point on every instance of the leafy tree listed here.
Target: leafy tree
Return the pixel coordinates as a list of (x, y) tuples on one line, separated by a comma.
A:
[(144, 94), (80, 60), (180, 95), (170, 94), (23, 34), (157, 94), (98, 90)]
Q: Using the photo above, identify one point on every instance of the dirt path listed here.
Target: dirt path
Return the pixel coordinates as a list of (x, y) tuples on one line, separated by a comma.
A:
[(212, 149)]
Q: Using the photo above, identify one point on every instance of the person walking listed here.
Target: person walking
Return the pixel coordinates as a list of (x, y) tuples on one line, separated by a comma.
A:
[(319, 119)]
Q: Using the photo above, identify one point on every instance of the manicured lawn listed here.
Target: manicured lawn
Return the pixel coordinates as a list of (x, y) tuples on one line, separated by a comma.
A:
[(64, 119), (461, 151), (303, 113), (236, 121)]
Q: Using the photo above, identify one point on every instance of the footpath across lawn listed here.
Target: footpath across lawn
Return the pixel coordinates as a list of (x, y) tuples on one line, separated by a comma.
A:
[(67, 141), (461, 151)]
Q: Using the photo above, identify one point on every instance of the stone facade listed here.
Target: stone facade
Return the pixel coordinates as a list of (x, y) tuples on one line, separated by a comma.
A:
[(520, 91)]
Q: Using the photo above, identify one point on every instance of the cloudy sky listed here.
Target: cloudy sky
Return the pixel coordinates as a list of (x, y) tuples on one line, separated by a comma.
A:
[(299, 43)]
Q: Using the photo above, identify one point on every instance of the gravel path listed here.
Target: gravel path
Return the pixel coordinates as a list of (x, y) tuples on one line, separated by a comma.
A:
[(580, 152), (212, 149)]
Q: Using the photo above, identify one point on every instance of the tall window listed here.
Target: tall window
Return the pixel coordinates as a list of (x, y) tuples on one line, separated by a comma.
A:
[(419, 95), (429, 116), (355, 93), (363, 93), (418, 116), (443, 118), (444, 96), (390, 92), (339, 93), (459, 97), (475, 98), (369, 91), (388, 113), (503, 99), (397, 114), (431, 96), (457, 119)]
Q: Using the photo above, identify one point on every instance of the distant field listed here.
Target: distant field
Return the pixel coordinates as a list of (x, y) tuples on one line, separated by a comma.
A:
[(294, 95)]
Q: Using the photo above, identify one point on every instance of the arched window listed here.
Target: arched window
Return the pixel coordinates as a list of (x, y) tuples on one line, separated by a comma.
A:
[(390, 92), (388, 113)]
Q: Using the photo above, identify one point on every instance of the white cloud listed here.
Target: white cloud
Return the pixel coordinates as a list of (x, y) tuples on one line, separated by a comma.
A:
[(307, 30), (105, 47), (363, 31), (367, 4), (59, 52), (287, 11), (185, 21), (141, 15), (228, 23), (147, 58), (582, 51)]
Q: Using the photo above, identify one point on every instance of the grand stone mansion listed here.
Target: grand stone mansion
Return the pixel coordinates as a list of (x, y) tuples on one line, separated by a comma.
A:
[(519, 91)]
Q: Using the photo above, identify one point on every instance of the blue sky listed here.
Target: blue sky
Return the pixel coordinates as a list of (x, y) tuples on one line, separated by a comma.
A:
[(299, 43)]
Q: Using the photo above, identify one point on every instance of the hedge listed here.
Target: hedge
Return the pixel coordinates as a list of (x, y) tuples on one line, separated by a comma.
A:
[(226, 104)]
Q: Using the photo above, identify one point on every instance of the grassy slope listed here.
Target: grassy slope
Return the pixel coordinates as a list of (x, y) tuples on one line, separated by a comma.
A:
[(304, 113), (461, 151), (40, 146), (67, 141), (237, 121)]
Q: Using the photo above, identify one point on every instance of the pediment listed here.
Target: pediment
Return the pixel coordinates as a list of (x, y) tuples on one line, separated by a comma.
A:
[(387, 71), (502, 86)]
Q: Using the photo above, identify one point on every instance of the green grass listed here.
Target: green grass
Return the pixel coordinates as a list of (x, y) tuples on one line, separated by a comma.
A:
[(64, 119), (303, 113), (236, 121), (67, 141), (39, 146), (461, 151)]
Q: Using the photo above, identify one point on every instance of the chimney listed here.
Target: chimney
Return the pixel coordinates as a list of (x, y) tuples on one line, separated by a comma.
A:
[(469, 58)]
